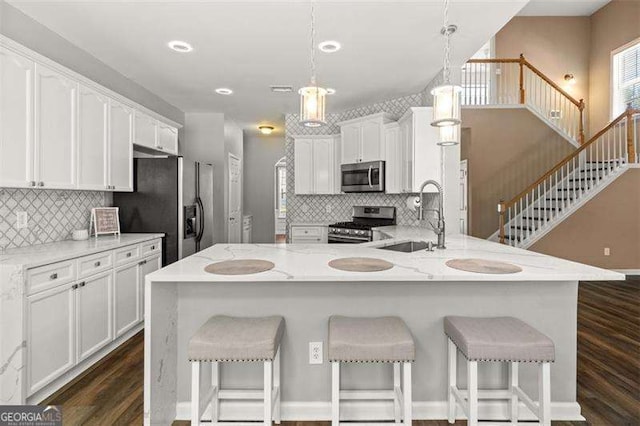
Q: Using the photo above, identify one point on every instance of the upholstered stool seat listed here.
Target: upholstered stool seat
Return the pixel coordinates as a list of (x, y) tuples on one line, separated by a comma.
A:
[(384, 339), (380, 339), (504, 339), (237, 339)]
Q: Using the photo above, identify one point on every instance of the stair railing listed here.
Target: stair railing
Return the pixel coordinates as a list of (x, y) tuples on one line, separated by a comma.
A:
[(610, 148), (516, 81)]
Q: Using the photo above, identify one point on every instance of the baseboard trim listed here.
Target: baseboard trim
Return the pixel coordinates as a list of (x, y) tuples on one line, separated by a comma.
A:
[(422, 410)]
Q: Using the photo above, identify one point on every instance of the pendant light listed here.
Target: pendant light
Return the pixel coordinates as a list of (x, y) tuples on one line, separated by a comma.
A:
[(449, 135), (312, 97), (446, 97)]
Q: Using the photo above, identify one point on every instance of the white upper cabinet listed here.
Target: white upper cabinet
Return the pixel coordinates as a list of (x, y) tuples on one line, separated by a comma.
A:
[(55, 128), (120, 151), (16, 120), (316, 164), (363, 138), (167, 138), (92, 140), (393, 159), (145, 130), (422, 156)]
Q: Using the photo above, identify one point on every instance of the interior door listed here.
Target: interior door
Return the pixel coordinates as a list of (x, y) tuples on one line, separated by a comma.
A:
[(16, 120), (55, 129), (92, 140), (206, 195), (188, 173), (234, 235)]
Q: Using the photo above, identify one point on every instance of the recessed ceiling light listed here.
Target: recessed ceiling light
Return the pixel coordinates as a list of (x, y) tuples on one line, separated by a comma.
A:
[(330, 91), (180, 46), (265, 130), (224, 91), (329, 46)]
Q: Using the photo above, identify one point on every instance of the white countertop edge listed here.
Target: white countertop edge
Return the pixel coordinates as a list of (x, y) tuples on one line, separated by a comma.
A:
[(44, 254)]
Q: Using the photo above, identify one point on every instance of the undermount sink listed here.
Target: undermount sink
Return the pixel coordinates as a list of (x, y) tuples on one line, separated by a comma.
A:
[(406, 247)]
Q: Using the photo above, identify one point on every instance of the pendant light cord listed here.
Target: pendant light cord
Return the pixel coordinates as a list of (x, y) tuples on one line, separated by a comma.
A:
[(446, 72), (313, 38)]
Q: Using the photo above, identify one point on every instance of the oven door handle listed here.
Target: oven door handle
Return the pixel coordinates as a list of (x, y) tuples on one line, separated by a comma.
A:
[(369, 176)]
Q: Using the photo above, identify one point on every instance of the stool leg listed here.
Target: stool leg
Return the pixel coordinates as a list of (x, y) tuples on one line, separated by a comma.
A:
[(544, 392), (276, 385), (268, 392), (195, 393), (406, 393), (513, 384), (397, 410), (335, 393), (472, 385), (453, 374), (215, 383)]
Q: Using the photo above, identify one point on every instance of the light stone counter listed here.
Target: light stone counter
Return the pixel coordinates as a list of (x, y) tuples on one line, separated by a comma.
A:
[(420, 288)]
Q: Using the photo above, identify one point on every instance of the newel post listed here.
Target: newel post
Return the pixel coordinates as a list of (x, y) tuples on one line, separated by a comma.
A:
[(631, 148), (501, 211), (521, 83), (581, 124)]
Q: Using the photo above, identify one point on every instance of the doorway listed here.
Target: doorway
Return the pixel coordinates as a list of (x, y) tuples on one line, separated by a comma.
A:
[(234, 225), (280, 213)]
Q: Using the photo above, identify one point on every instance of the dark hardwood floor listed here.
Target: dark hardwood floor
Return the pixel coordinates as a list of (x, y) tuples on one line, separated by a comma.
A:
[(608, 368)]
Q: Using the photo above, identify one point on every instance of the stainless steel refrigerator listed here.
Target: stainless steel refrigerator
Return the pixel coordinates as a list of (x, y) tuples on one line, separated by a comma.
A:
[(173, 195)]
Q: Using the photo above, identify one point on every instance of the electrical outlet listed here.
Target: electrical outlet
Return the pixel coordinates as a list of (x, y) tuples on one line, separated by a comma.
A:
[(607, 251), (327, 208), (315, 353), (22, 220)]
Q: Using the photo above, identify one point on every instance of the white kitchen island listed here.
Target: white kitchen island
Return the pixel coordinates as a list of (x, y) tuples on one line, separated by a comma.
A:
[(420, 288)]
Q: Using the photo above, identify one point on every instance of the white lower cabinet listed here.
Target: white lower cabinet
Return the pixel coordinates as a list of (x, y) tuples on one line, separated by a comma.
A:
[(308, 234), (149, 265), (127, 297), (50, 335), (94, 311)]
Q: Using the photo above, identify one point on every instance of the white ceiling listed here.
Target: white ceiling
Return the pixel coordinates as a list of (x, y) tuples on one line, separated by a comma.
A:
[(389, 48), (562, 7)]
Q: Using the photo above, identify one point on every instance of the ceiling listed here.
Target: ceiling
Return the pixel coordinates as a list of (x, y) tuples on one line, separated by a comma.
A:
[(562, 7), (389, 48)]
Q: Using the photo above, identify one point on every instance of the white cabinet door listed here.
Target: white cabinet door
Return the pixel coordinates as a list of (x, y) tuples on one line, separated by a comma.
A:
[(120, 147), (149, 265), (351, 143), (50, 335), (16, 120), (406, 145), (167, 138), (372, 149), (92, 139), (303, 165), (145, 130), (94, 313), (323, 166), (127, 297), (393, 156), (55, 144)]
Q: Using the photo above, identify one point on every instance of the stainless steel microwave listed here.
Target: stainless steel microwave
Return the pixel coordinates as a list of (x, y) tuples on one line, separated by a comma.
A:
[(362, 177)]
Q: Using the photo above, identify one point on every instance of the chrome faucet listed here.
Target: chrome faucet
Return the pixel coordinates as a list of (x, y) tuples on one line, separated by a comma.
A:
[(439, 229)]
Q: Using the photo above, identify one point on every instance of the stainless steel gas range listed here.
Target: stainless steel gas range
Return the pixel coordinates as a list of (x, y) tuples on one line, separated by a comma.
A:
[(359, 229)]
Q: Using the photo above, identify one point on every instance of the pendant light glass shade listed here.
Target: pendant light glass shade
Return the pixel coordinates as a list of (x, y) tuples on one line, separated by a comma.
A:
[(312, 104), (449, 135), (446, 105)]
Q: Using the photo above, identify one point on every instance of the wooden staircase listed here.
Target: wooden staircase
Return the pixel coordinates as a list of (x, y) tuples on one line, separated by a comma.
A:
[(572, 182)]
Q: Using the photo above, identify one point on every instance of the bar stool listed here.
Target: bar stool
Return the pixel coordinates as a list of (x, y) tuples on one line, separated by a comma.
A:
[(382, 339), (233, 339), (504, 339)]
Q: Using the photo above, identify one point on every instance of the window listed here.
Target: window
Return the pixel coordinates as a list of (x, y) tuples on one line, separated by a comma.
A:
[(625, 78)]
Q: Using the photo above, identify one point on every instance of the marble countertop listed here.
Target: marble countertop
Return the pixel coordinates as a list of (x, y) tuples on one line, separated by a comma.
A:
[(309, 262), (43, 254)]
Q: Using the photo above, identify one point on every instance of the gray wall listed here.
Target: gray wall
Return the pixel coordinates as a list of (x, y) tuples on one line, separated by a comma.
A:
[(261, 153), (30, 33)]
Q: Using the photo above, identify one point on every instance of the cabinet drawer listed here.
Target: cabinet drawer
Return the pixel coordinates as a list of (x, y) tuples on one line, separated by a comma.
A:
[(150, 247), (307, 240), (93, 264), (126, 254), (306, 231), (50, 276)]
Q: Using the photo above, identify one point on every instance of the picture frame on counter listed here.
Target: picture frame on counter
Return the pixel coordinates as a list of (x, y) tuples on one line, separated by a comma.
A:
[(104, 220)]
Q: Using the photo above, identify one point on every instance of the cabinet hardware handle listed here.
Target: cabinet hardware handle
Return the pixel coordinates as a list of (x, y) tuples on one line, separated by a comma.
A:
[(159, 147), (129, 254), (96, 264), (40, 183), (75, 286), (82, 284), (53, 276), (32, 183), (153, 247)]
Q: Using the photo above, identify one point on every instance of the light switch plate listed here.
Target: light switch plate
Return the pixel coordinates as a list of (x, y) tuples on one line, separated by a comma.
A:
[(315, 353), (22, 220), (607, 251)]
